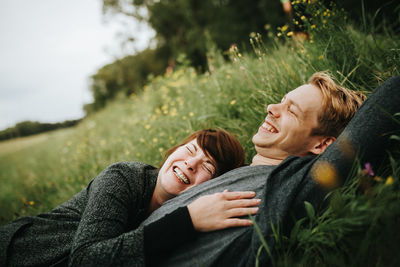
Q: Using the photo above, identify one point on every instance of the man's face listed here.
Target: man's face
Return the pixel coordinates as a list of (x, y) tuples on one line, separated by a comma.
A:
[(288, 125)]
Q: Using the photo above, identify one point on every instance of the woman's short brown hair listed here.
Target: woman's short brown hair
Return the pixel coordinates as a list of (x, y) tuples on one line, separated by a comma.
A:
[(338, 107), (219, 144)]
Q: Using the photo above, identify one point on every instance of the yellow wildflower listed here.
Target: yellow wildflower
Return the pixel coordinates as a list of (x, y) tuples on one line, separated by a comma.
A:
[(278, 34), (389, 180), (233, 102), (161, 149), (313, 26), (321, 57), (31, 203), (284, 27), (325, 175), (127, 152), (303, 17), (191, 114), (147, 126), (174, 112), (324, 21), (289, 34)]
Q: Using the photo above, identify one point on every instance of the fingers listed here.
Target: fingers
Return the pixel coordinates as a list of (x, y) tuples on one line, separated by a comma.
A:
[(235, 222), (238, 194), (240, 203), (239, 212)]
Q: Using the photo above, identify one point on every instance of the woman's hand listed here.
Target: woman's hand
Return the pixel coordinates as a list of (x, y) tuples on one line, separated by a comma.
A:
[(220, 210)]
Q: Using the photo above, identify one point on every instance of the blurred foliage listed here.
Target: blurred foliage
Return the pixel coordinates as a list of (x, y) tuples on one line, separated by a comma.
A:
[(182, 25), (26, 128), (37, 175), (124, 76)]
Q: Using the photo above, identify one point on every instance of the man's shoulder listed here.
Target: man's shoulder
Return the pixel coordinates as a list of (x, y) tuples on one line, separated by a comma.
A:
[(246, 171)]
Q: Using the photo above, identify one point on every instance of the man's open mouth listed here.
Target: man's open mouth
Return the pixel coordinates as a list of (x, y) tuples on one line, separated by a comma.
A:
[(181, 176), (269, 128)]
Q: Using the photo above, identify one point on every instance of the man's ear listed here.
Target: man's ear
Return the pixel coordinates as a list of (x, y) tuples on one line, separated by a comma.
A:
[(322, 143)]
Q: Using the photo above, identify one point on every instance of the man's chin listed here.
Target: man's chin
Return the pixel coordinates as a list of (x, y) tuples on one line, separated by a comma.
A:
[(260, 139)]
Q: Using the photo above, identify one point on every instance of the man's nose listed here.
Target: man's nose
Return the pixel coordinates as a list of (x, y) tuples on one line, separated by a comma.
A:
[(274, 110)]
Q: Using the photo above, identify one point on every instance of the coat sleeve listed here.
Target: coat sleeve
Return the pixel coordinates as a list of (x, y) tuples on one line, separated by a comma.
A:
[(101, 238)]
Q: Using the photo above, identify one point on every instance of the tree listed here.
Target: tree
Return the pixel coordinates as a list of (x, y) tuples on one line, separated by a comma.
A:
[(127, 75), (182, 26)]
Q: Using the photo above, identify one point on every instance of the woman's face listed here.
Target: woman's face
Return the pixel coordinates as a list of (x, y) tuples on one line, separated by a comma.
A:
[(187, 166)]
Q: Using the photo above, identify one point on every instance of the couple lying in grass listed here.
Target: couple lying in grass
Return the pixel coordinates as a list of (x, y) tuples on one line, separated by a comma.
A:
[(193, 210)]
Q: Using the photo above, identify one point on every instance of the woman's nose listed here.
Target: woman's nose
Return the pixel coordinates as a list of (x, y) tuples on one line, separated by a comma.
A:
[(192, 163), (274, 110)]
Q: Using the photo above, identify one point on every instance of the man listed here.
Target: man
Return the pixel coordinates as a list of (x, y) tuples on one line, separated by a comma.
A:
[(283, 173)]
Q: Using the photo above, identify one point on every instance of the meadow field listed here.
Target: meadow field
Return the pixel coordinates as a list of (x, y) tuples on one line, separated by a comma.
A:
[(39, 172)]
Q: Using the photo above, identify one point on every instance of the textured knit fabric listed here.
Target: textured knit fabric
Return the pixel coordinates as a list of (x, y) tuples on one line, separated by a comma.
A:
[(217, 242), (98, 226), (285, 188)]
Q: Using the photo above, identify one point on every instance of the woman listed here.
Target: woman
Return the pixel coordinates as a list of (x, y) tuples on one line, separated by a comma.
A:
[(99, 225)]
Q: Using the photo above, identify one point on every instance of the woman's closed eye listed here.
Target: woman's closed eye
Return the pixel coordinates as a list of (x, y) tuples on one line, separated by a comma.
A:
[(190, 150), (208, 167)]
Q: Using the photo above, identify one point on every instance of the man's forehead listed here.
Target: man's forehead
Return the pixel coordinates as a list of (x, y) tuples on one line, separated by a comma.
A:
[(307, 97)]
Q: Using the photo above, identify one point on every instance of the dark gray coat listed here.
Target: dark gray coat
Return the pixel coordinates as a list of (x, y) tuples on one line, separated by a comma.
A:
[(98, 226)]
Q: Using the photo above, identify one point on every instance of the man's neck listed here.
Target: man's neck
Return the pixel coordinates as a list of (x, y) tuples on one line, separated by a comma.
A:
[(260, 160)]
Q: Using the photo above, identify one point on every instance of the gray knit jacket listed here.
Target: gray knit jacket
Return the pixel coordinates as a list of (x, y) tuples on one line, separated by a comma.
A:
[(111, 208)]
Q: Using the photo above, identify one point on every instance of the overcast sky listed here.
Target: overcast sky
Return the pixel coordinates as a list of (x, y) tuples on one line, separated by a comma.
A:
[(48, 50)]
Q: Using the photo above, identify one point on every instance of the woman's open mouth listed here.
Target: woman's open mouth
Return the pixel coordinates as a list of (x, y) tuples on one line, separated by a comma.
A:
[(181, 176)]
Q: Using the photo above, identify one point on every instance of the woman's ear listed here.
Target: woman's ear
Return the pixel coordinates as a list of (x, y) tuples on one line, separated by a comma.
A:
[(322, 144)]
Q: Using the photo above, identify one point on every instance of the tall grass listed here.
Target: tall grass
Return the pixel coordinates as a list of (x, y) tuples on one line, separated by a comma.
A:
[(233, 95)]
